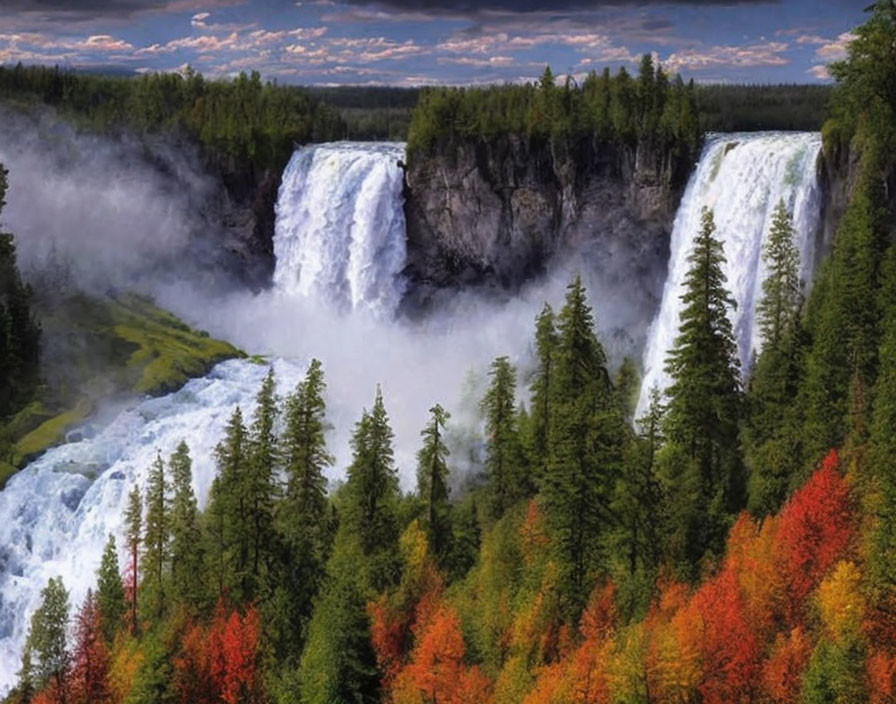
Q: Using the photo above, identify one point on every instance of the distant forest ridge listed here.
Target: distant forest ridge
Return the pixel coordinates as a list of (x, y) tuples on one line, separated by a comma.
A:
[(164, 101)]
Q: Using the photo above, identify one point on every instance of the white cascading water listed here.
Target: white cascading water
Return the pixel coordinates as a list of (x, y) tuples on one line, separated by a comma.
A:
[(340, 240), (340, 231), (741, 177)]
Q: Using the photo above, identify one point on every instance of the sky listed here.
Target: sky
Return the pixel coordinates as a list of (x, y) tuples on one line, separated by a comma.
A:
[(426, 42)]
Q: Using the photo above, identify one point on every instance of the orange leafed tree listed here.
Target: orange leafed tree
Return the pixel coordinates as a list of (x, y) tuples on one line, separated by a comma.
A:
[(782, 672), (436, 673), (233, 646), (814, 530)]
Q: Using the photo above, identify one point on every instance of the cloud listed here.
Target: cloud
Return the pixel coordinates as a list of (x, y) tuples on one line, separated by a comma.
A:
[(835, 50), (734, 56), (820, 72), (198, 20), (522, 6)]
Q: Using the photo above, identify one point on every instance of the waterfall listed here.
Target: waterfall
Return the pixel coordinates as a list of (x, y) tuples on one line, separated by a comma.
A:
[(340, 229), (56, 514), (741, 177)]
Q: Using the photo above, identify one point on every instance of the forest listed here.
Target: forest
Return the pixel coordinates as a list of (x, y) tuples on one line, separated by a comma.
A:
[(735, 544)]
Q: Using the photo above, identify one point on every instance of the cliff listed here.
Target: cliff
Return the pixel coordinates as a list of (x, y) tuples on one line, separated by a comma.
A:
[(494, 212)]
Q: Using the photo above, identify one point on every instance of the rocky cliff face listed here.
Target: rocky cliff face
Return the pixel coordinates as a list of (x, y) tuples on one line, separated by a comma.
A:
[(496, 212)]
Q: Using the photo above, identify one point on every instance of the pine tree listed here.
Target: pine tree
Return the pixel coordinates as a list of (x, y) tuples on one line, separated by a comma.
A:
[(771, 452), (540, 390), (259, 485), (432, 484), (90, 659), (504, 467), (133, 519), (303, 514), (156, 539), (46, 643), (229, 546), (781, 290), (704, 406), (186, 536), (372, 494), (110, 595), (587, 435)]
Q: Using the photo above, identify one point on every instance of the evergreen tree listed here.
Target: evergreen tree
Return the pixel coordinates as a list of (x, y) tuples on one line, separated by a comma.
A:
[(48, 654), (372, 494), (504, 462), (19, 330), (230, 543), (133, 519), (156, 539), (587, 435), (303, 514), (704, 405), (781, 290), (771, 445), (258, 488), (540, 390), (110, 595), (432, 484), (186, 536)]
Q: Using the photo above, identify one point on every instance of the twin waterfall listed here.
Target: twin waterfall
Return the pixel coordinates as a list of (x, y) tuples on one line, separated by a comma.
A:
[(340, 247), (741, 178)]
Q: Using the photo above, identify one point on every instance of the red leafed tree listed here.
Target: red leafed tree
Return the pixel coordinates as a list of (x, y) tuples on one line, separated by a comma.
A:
[(233, 655), (90, 659), (192, 676), (882, 678), (387, 635), (814, 529), (729, 650), (782, 673)]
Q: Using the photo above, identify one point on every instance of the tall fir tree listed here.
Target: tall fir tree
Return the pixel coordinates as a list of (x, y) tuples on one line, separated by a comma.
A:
[(302, 517), (156, 541), (229, 549), (704, 400), (504, 462), (540, 391), (47, 650), (133, 519), (260, 489), (432, 484), (372, 495), (187, 582), (586, 440), (110, 595), (770, 437)]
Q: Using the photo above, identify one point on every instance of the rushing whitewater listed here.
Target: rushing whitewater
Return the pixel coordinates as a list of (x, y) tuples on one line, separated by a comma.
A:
[(741, 177), (56, 514), (340, 231)]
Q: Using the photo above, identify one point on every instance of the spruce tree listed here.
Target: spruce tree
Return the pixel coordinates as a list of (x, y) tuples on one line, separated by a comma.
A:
[(504, 466), (110, 594), (47, 652), (432, 484), (771, 450), (133, 519), (229, 550), (586, 439), (704, 405), (260, 485), (540, 390), (186, 535), (372, 494), (303, 514), (156, 539)]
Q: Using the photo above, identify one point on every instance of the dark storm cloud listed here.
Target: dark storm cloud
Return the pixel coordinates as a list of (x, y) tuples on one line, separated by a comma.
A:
[(538, 5)]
